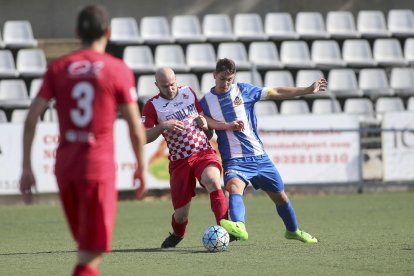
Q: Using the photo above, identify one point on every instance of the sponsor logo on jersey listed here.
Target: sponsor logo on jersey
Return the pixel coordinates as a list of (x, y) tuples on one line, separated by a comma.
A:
[(85, 68)]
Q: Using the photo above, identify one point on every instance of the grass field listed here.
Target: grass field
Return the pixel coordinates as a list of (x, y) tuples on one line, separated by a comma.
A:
[(367, 234)]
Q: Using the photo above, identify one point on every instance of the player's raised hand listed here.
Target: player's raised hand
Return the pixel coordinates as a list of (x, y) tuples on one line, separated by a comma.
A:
[(140, 184), (201, 122), (27, 185), (319, 85)]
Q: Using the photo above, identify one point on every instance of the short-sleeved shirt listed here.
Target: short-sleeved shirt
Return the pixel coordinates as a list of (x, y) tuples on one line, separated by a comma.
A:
[(87, 87), (236, 104), (184, 107)]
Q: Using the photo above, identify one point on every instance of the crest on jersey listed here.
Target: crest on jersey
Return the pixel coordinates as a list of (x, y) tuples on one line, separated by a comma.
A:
[(237, 101), (185, 96)]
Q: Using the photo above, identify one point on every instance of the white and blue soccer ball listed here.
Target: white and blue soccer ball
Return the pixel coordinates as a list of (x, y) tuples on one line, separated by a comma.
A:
[(216, 239)]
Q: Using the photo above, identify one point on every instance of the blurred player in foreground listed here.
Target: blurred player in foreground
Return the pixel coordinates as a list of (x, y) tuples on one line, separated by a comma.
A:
[(228, 106), (88, 86), (175, 113)]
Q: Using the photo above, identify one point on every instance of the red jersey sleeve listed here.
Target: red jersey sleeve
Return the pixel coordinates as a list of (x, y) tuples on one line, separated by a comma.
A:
[(127, 93), (149, 115), (46, 91)]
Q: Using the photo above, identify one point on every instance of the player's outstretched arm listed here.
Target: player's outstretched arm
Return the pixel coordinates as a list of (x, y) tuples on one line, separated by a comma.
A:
[(278, 93), (237, 125)]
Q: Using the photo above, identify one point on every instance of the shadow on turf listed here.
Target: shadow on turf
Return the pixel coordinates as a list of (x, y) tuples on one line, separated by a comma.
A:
[(157, 249), (37, 253)]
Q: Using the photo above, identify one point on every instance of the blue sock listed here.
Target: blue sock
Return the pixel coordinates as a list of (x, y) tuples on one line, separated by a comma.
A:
[(288, 216), (236, 208)]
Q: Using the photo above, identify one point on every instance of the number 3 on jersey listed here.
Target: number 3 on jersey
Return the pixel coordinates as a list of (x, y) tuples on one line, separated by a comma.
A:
[(83, 92)]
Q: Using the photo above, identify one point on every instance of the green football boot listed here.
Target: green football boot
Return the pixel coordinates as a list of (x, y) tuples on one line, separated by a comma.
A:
[(300, 236), (237, 229)]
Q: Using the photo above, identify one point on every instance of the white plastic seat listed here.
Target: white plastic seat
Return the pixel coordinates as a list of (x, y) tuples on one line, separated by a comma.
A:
[(278, 79), (291, 107), (388, 52), (3, 117), (401, 22), (264, 55), (19, 115), (7, 65), (124, 31), (305, 78), (189, 80), (31, 62), (326, 54), (388, 104), (50, 115), (310, 25), (35, 85), (146, 87), (410, 104), (362, 107), (374, 82), (186, 29), (343, 83), (325, 106), (341, 24), (201, 57), (18, 34), (263, 108), (217, 28), (249, 27), (207, 82), (139, 59), (371, 24), (1, 41), (252, 77), (279, 26), (13, 94), (155, 30), (409, 50), (295, 54), (171, 56), (357, 53), (235, 51), (402, 81)]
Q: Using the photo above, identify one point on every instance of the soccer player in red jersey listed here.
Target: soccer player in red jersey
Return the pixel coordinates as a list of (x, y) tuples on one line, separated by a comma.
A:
[(88, 85), (175, 113)]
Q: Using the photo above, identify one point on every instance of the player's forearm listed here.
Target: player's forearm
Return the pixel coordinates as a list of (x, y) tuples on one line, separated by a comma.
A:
[(28, 135), (288, 92), (138, 141), (213, 124), (154, 133)]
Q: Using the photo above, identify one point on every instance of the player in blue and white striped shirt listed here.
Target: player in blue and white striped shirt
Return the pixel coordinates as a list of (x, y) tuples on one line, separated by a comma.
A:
[(229, 109)]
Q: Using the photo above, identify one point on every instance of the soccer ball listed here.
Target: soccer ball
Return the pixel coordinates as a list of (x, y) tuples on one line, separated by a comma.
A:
[(216, 239)]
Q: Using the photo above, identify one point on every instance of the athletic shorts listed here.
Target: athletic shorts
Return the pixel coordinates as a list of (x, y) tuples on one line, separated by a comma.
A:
[(258, 170), (184, 172), (90, 209)]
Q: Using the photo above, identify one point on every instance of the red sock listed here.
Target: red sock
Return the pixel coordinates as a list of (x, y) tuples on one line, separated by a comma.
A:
[(85, 270), (219, 205), (179, 229)]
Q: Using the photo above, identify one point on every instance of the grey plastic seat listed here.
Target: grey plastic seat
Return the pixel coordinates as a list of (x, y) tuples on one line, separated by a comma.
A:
[(402, 81), (388, 104), (249, 27), (371, 24), (3, 117), (201, 57), (139, 59), (409, 50), (341, 25), (325, 106), (357, 53), (281, 78), (343, 83), (295, 54), (31, 62), (35, 85), (207, 82), (401, 22), (292, 107), (18, 115), (18, 34), (264, 55), (310, 25), (252, 77), (13, 94), (155, 30), (326, 54), (124, 31), (279, 26), (264, 108), (388, 52), (218, 28), (410, 104), (374, 82), (146, 87), (7, 65), (361, 107), (186, 29), (235, 51), (306, 77), (171, 55), (189, 80)]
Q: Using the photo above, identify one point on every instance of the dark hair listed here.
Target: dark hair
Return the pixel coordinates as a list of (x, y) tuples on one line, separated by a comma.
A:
[(226, 65), (93, 22)]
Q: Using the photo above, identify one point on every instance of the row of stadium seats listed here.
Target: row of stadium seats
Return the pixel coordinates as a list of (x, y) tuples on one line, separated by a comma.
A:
[(29, 63), (250, 27), (264, 55), (17, 34)]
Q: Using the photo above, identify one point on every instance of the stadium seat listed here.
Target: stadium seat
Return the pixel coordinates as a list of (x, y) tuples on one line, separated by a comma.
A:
[(139, 59), (402, 81), (410, 104), (343, 83), (3, 118), (281, 78), (252, 77), (7, 65), (291, 107), (1, 41), (207, 82), (146, 87), (235, 51), (325, 106), (409, 50), (124, 31), (171, 56), (295, 54), (361, 107), (401, 22), (50, 115), (371, 24), (341, 25), (189, 80), (155, 30), (305, 78), (35, 85), (388, 52), (31, 62), (217, 28), (357, 53), (186, 29), (19, 115), (326, 54), (248, 27), (13, 94), (374, 83), (201, 57), (263, 108), (279, 26), (264, 55), (310, 25), (388, 104), (18, 34)]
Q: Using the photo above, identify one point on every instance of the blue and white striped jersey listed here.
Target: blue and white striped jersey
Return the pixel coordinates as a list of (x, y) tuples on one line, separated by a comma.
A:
[(237, 103)]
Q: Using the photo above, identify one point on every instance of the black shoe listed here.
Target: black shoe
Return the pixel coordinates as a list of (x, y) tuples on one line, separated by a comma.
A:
[(171, 241), (233, 238)]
